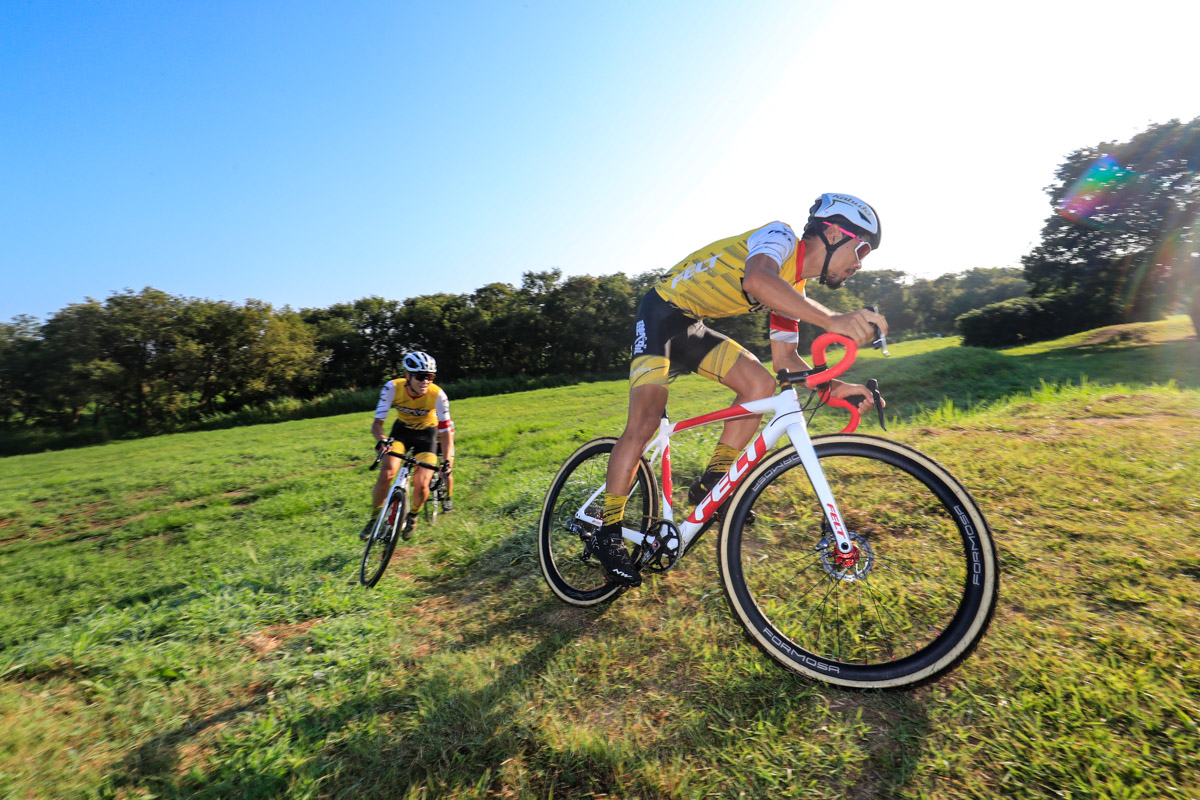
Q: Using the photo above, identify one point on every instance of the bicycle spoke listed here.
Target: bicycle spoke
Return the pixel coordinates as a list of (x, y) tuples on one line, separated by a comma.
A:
[(571, 516), (891, 598)]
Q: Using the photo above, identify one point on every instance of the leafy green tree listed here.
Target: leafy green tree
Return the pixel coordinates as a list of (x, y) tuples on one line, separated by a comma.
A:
[(1123, 244), (20, 370), (228, 355)]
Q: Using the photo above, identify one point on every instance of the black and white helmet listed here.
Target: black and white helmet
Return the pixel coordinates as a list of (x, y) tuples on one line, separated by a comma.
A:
[(418, 361), (849, 212)]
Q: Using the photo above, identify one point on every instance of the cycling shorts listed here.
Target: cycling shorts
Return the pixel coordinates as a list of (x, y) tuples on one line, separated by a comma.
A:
[(668, 342), (421, 441)]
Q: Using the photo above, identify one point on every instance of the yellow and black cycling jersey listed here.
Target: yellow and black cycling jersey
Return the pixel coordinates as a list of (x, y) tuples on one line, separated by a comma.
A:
[(431, 409), (708, 283)]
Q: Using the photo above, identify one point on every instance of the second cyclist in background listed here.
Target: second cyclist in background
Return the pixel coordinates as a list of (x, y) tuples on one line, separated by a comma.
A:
[(423, 422)]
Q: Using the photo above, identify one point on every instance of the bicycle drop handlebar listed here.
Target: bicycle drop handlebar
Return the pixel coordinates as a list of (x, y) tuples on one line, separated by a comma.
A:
[(823, 373), (384, 447)]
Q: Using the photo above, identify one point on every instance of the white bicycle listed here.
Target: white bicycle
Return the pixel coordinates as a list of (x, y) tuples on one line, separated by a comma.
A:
[(381, 542), (851, 559)]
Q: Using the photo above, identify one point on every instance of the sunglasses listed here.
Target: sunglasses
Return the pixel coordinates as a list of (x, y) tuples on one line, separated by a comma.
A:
[(421, 376), (861, 244)]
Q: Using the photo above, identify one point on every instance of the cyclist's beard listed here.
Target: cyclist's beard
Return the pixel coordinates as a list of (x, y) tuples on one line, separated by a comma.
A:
[(832, 284)]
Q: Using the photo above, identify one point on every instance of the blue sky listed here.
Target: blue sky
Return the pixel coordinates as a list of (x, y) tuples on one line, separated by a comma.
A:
[(306, 154)]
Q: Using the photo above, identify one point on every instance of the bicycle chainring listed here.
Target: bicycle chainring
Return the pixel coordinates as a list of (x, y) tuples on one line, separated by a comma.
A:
[(660, 548)]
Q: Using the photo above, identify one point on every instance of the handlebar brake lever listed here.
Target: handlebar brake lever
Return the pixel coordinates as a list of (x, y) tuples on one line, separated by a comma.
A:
[(880, 342), (873, 386)]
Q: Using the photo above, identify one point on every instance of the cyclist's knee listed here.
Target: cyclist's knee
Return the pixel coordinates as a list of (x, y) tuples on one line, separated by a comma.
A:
[(639, 429), (751, 380)]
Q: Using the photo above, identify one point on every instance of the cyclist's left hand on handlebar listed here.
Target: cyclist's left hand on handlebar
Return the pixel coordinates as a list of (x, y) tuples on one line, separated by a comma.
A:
[(856, 393)]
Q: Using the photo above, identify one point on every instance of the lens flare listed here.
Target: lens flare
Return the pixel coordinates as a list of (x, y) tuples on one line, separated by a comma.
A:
[(1095, 196)]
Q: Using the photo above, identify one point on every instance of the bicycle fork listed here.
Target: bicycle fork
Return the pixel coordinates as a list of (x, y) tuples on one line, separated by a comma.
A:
[(816, 476)]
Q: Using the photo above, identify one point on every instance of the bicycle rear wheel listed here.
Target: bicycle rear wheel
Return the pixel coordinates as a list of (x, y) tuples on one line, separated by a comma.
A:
[(906, 606), (571, 516), (382, 541)]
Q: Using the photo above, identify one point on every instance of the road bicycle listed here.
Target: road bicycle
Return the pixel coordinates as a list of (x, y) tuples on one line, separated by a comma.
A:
[(381, 542), (846, 558)]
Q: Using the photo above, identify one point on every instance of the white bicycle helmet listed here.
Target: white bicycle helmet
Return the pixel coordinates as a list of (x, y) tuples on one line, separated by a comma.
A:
[(418, 361), (847, 211)]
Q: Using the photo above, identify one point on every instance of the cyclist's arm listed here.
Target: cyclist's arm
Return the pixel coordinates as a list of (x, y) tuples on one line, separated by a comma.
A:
[(386, 395), (445, 427), (762, 281)]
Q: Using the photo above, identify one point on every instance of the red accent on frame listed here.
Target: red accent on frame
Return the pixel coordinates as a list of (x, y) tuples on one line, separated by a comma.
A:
[(725, 486), (668, 486), (733, 412)]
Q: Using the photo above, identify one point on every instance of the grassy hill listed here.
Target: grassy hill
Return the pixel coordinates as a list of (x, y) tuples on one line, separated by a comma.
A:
[(179, 616)]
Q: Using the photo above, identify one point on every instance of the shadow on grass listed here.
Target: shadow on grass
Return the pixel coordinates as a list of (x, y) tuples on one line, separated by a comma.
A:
[(447, 733)]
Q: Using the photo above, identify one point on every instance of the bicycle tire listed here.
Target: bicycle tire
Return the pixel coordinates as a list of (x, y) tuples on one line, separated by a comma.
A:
[(382, 541), (916, 603), (562, 537)]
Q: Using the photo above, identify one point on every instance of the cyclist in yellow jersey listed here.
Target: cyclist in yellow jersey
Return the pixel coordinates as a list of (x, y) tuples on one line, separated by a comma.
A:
[(761, 270), (423, 423)]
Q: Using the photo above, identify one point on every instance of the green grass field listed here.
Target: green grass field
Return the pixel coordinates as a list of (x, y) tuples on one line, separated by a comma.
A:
[(179, 616)]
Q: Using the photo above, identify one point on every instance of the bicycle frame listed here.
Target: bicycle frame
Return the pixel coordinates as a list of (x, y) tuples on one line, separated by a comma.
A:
[(407, 463), (399, 481), (787, 417)]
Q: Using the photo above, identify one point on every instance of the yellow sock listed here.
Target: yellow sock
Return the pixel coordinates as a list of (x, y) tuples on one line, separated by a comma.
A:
[(722, 459), (614, 508)]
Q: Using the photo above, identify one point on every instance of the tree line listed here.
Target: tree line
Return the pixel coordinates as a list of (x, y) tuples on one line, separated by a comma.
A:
[(147, 361), (1122, 243)]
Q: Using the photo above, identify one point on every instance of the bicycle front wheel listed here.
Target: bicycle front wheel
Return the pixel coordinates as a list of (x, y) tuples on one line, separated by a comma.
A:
[(382, 541), (909, 603), (571, 516)]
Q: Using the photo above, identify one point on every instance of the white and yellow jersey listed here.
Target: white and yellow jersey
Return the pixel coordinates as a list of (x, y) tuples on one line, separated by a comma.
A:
[(708, 283), (419, 413)]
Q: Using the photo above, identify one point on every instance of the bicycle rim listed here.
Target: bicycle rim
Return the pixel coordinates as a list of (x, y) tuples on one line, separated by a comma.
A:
[(909, 605), (381, 544), (569, 513)]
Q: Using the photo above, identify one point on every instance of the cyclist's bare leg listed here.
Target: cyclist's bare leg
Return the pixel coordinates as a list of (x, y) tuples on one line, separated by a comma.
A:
[(387, 473), (420, 487), (646, 405), (751, 381)]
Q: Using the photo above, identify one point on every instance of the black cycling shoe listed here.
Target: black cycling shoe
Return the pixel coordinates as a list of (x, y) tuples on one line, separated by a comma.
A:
[(610, 549), (447, 506), (698, 488), (365, 533), (406, 529)]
